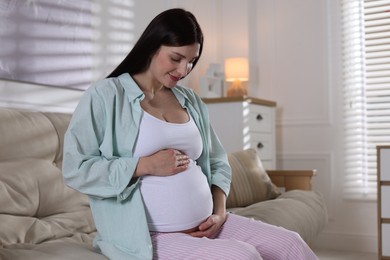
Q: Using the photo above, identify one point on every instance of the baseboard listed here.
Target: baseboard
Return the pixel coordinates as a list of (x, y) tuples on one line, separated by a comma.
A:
[(346, 242)]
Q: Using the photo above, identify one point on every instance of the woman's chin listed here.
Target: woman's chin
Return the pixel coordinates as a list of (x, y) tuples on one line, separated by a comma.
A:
[(170, 84)]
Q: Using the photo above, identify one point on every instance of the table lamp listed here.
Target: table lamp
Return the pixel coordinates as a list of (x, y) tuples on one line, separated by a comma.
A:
[(236, 71)]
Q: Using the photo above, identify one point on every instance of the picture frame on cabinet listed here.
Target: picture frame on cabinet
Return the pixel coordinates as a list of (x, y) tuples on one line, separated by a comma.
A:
[(212, 84)]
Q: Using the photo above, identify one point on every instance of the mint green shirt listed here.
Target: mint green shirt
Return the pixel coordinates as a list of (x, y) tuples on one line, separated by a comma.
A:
[(98, 161)]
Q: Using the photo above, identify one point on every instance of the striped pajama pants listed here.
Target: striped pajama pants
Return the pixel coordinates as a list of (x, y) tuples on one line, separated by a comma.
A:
[(240, 238)]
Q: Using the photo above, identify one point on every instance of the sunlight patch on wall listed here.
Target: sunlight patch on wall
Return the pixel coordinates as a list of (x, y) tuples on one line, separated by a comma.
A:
[(63, 43), (47, 42), (114, 34)]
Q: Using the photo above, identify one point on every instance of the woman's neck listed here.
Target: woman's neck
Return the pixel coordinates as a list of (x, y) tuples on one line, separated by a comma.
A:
[(147, 84)]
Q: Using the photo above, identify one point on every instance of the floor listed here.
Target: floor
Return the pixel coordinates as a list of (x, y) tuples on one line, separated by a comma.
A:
[(343, 255)]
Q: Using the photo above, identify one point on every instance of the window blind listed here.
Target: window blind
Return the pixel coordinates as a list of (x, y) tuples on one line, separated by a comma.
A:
[(366, 64)]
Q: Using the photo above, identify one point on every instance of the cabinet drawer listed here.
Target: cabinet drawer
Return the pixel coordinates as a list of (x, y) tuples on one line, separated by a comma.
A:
[(263, 144), (260, 119), (385, 206), (385, 164), (385, 239)]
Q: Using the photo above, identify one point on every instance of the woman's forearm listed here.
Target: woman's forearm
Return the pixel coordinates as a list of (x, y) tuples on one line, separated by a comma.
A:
[(219, 199)]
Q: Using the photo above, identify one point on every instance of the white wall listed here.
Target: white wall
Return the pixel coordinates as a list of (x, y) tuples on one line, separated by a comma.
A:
[(299, 66), (295, 60)]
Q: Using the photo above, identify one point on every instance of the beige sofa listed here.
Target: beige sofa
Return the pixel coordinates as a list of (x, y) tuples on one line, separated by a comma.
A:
[(41, 218)]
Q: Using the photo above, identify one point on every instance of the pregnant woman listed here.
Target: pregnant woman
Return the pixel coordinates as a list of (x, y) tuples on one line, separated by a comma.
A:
[(142, 148)]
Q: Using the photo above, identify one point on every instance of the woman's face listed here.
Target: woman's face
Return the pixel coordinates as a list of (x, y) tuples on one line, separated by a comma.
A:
[(170, 64)]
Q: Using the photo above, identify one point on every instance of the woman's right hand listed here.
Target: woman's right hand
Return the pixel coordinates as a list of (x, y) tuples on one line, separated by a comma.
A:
[(162, 163)]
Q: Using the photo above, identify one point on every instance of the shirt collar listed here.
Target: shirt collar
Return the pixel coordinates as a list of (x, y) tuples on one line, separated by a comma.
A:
[(130, 86), (134, 92), (181, 95)]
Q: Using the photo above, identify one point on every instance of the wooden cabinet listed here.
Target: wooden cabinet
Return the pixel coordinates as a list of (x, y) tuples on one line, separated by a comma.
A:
[(245, 122), (383, 157)]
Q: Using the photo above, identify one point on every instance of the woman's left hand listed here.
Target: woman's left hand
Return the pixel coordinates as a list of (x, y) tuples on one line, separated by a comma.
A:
[(210, 227)]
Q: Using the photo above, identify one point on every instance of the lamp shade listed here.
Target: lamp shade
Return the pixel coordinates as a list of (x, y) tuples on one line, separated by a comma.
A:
[(236, 69)]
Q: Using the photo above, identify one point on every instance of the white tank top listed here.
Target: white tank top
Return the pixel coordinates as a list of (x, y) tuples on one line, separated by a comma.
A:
[(181, 201)]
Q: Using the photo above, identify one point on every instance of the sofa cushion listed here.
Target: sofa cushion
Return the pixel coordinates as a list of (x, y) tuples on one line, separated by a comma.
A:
[(250, 182), (58, 250), (27, 134), (60, 123), (301, 211), (36, 205)]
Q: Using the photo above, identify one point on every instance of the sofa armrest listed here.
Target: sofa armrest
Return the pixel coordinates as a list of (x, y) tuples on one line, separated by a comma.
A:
[(292, 179)]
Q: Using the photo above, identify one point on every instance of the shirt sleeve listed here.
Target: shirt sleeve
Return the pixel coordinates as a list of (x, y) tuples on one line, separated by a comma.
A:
[(85, 168), (219, 165)]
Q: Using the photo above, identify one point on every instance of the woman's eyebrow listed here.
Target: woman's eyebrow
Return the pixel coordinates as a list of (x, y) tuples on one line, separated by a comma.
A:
[(183, 56)]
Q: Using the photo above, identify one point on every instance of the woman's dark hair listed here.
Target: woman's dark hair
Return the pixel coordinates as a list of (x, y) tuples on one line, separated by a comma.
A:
[(173, 27)]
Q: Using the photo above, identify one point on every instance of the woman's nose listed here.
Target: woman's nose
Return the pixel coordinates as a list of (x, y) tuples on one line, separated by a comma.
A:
[(184, 68)]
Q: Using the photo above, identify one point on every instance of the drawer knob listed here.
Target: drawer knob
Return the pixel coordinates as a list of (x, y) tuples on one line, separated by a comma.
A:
[(260, 145), (259, 117)]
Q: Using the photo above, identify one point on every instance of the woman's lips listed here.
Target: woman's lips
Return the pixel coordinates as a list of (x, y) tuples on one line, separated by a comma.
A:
[(174, 78)]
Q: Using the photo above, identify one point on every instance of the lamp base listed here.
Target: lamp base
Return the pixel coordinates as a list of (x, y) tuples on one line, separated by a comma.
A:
[(236, 90)]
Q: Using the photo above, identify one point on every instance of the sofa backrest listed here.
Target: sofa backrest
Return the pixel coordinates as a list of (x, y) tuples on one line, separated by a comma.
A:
[(35, 204), (27, 134)]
